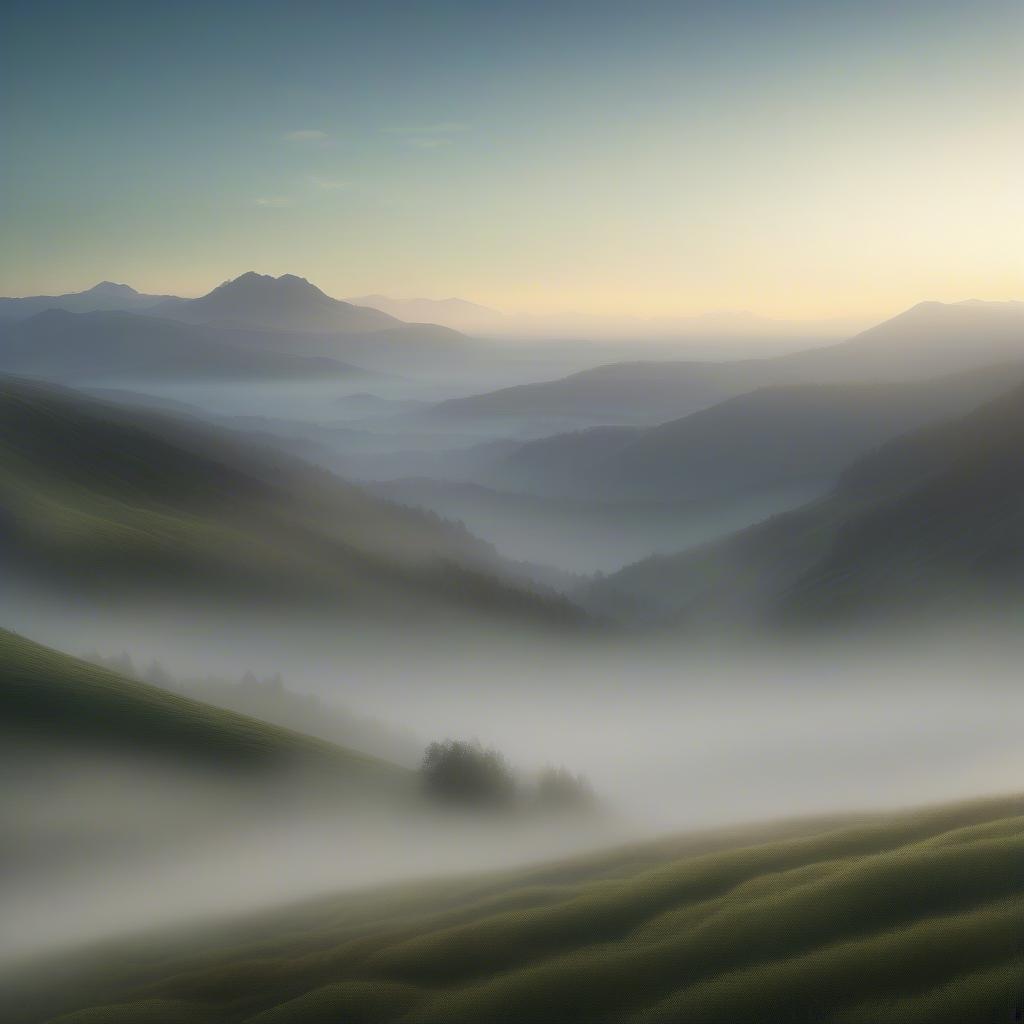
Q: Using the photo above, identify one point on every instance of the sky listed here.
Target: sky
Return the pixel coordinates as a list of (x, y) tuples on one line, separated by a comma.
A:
[(796, 158)]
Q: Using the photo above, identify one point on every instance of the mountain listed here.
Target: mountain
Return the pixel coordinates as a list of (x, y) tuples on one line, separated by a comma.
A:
[(930, 520), (456, 313), (930, 339), (622, 394), (767, 438), (278, 303), (409, 348), (104, 296), (118, 504), (912, 917), (65, 346), (740, 330), (557, 541)]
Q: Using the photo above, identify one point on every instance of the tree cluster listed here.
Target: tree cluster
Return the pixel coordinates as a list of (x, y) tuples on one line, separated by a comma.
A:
[(464, 773)]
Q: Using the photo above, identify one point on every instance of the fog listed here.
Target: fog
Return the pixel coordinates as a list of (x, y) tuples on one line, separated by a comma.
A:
[(675, 732), (673, 735)]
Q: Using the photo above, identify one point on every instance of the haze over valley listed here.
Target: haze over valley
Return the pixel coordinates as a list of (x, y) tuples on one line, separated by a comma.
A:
[(512, 513)]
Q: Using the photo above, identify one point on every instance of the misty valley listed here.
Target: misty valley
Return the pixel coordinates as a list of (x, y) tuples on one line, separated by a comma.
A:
[(511, 513), (362, 670)]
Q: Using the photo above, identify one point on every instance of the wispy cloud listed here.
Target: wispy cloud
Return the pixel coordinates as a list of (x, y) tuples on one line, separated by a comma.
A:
[(431, 136), (445, 128), (273, 202), (306, 135), (326, 184)]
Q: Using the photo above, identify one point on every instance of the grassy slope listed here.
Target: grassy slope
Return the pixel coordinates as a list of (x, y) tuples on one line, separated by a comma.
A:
[(96, 496), (51, 696), (910, 917)]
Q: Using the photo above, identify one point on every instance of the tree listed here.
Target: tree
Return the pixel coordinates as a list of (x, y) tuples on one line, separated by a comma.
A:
[(559, 788), (467, 774)]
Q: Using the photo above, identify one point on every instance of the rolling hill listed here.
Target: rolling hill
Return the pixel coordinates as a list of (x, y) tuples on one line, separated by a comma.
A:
[(926, 341), (909, 917), (64, 346), (931, 519), (771, 437), (62, 701), (114, 502)]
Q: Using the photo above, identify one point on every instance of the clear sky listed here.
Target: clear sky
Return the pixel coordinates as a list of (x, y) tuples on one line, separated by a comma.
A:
[(795, 158)]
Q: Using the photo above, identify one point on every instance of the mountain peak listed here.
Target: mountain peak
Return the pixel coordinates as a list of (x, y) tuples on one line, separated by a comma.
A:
[(288, 302), (253, 282), (112, 288)]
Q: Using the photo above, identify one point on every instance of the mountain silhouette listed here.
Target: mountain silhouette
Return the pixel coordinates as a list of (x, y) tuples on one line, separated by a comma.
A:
[(279, 303), (107, 295)]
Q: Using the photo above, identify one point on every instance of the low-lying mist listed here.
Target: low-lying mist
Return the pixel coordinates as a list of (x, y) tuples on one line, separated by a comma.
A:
[(106, 846), (672, 734)]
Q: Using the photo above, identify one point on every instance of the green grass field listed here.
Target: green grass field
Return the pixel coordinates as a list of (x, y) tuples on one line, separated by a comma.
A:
[(905, 917), (55, 698)]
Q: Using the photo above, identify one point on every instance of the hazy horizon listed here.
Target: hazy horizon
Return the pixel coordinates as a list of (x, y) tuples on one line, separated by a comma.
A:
[(512, 512), (668, 161)]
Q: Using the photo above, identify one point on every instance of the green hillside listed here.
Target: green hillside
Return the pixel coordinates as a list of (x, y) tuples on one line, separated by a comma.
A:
[(113, 501), (928, 521), (50, 697), (917, 916)]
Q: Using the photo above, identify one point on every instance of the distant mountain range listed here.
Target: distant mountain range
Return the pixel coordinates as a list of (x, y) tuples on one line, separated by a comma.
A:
[(63, 346), (455, 313), (929, 339), (768, 438), (722, 326), (253, 326), (932, 519), (287, 303), (104, 296)]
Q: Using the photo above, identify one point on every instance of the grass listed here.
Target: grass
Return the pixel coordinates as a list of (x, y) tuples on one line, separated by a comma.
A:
[(907, 917), (114, 503), (57, 698)]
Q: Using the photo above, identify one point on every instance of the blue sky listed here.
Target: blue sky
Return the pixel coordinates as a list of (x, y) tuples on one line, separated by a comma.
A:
[(795, 158)]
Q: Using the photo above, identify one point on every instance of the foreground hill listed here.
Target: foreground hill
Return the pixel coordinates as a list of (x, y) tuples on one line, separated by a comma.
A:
[(926, 341), (771, 437), (114, 502), (64, 346), (908, 917), (69, 704), (930, 519)]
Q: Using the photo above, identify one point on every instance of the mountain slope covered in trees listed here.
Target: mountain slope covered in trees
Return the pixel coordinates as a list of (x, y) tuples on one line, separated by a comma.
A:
[(933, 517)]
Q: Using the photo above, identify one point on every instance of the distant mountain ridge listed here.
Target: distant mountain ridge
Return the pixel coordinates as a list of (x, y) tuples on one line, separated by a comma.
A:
[(933, 518), (279, 303), (113, 345), (107, 295), (475, 318), (926, 341), (768, 437)]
